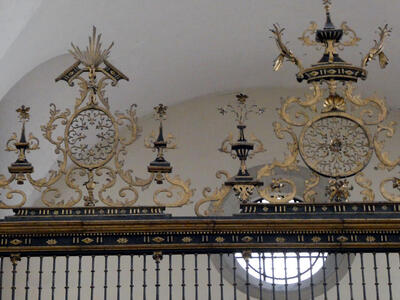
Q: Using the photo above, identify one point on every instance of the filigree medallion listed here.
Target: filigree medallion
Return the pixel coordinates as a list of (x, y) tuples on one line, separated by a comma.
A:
[(335, 145), (92, 137), (334, 141)]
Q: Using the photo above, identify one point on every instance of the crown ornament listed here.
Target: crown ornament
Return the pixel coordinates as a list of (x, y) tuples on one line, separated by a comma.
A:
[(333, 142)]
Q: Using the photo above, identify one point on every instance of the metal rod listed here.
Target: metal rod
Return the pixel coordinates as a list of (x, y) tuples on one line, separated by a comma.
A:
[(53, 279), (105, 276), (376, 276), (247, 279), (196, 279), (183, 277), (118, 277), (298, 276), (264, 270), (144, 277), (337, 278), (285, 270), (1, 277), (14, 274), (234, 277), (350, 276), (27, 272), (311, 276), (157, 258), (324, 279), (221, 278), (363, 276), (40, 277), (79, 277), (389, 276), (209, 275), (260, 276), (273, 275), (92, 279), (131, 286), (66, 277), (170, 276)]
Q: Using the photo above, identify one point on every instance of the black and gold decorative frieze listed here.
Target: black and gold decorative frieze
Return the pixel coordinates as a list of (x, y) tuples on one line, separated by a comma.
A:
[(336, 72), (322, 210), (330, 226), (88, 212)]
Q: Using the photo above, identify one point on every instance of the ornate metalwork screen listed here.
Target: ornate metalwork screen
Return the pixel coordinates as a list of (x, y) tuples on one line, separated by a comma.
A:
[(98, 232)]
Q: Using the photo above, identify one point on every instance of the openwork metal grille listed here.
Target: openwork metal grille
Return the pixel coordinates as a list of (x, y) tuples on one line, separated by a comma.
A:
[(195, 276)]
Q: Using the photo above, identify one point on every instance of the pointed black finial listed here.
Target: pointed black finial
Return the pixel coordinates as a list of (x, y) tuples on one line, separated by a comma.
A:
[(328, 24), (160, 165), (21, 166), (160, 112)]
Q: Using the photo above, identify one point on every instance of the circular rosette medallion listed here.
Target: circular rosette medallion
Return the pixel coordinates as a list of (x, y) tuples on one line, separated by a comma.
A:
[(91, 137), (335, 145)]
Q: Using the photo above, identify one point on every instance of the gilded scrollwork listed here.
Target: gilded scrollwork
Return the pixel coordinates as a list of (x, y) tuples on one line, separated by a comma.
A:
[(108, 182), (353, 38), (310, 103), (226, 145), (290, 160), (127, 175), (70, 180), (258, 146), (274, 193), (52, 197), (306, 36), (184, 192), (130, 117), (83, 91), (215, 199), (367, 113), (365, 183), (54, 175), (395, 186), (169, 139), (309, 192), (11, 193), (383, 156), (31, 140), (123, 194), (101, 91)]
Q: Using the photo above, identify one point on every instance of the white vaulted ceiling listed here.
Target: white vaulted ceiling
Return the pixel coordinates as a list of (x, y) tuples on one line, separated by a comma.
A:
[(178, 49)]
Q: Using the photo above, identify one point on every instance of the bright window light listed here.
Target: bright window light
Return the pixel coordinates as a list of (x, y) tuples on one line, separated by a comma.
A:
[(280, 268)]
